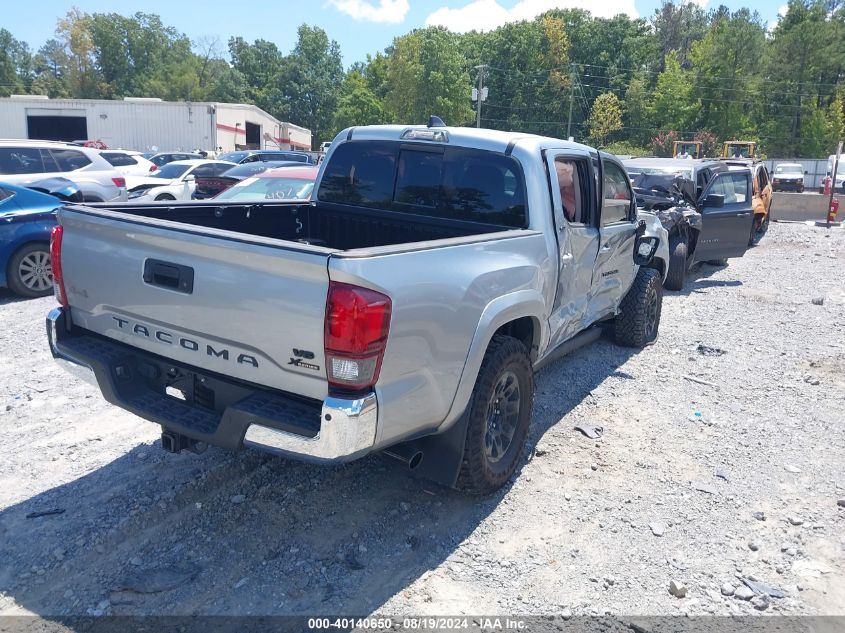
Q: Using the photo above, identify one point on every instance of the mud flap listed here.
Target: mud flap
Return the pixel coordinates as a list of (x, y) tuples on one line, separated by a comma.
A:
[(442, 453)]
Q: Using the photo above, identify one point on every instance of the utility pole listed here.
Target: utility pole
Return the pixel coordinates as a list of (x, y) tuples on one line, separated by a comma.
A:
[(571, 98), (481, 68)]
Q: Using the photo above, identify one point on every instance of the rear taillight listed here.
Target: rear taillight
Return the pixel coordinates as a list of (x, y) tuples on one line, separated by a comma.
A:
[(56, 264), (119, 182), (153, 167), (356, 328)]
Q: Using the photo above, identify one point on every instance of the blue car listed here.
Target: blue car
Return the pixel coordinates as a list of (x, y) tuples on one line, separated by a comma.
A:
[(27, 215)]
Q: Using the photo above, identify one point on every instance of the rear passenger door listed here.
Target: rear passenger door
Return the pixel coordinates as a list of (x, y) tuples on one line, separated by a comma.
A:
[(573, 193), (726, 210), (614, 270)]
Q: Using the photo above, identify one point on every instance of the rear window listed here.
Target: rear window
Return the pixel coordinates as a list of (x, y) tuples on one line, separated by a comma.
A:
[(21, 160), (119, 160), (69, 159), (446, 182)]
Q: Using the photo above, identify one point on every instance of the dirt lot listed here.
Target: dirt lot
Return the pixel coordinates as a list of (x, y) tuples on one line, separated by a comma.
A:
[(723, 456)]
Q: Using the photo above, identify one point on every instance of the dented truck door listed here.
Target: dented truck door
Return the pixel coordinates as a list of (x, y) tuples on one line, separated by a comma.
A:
[(618, 228), (572, 189)]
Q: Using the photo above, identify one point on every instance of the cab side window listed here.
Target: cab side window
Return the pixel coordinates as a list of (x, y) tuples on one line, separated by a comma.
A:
[(573, 181), (616, 205)]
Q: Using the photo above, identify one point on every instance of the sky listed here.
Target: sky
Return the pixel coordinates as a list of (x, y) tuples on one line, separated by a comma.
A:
[(361, 27)]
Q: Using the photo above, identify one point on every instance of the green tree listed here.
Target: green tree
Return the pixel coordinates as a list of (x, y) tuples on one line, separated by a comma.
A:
[(725, 71), (605, 118), (259, 64), (15, 64), (74, 32), (309, 81), (428, 75), (636, 115), (677, 27), (357, 104), (806, 58), (50, 65), (673, 106)]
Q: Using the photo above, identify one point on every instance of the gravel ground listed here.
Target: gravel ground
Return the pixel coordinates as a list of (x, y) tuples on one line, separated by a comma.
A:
[(722, 458)]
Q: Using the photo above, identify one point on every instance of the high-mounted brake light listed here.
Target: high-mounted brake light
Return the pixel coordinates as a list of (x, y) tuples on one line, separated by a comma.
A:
[(440, 136), (119, 182), (56, 264), (356, 328)]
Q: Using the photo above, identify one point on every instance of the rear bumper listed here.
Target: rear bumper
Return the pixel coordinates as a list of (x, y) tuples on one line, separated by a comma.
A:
[(212, 408)]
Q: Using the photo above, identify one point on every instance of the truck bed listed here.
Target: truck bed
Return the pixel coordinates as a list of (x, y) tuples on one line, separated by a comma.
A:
[(321, 224)]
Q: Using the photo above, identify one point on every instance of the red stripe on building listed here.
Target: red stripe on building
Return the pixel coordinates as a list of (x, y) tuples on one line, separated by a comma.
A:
[(286, 141)]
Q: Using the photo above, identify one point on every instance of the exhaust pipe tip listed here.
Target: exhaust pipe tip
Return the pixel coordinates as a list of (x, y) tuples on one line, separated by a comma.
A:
[(411, 457), (170, 442)]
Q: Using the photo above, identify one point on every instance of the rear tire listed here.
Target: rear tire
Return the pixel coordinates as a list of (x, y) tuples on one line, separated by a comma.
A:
[(499, 417), (29, 273), (677, 273), (164, 196), (638, 320)]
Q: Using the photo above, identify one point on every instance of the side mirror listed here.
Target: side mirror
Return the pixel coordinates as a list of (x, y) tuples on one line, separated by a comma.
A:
[(644, 249), (715, 200), (190, 178)]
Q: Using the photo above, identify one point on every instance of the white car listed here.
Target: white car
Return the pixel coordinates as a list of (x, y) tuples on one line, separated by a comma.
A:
[(25, 161), (174, 181), (129, 163)]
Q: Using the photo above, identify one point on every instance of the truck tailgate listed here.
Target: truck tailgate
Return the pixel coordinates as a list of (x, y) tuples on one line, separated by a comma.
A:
[(251, 309)]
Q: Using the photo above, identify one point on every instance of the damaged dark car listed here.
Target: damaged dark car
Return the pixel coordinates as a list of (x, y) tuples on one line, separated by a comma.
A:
[(706, 209)]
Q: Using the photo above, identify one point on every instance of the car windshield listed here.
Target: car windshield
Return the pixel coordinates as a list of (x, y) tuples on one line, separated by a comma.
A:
[(171, 171), (788, 169), (269, 188), (233, 157)]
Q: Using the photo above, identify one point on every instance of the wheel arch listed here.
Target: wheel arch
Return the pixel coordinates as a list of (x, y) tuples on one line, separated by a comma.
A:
[(517, 314)]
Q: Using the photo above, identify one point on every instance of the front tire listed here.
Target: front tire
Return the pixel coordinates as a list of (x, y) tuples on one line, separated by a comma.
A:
[(29, 273), (164, 196), (499, 417), (638, 320), (677, 273)]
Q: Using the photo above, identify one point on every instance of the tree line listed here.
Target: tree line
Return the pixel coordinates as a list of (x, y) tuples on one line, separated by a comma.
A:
[(632, 86)]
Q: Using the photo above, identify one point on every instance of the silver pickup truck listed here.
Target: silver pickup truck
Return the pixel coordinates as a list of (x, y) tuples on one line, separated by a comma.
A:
[(403, 309)]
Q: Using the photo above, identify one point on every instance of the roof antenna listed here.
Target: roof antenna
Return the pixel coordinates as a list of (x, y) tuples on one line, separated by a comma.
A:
[(435, 121)]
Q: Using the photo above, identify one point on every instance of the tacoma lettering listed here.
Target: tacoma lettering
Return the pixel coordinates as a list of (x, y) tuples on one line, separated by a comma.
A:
[(185, 343)]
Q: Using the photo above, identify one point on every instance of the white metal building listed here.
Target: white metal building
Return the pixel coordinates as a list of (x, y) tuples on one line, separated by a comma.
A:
[(149, 124)]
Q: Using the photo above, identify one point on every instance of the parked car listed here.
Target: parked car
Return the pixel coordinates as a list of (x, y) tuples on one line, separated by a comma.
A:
[(27, 215), (174, 181), (162, 158), (210, 186), (23, 162), (283, 183), (788, 177), (129, 163), (693, 219), (254, 155)]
